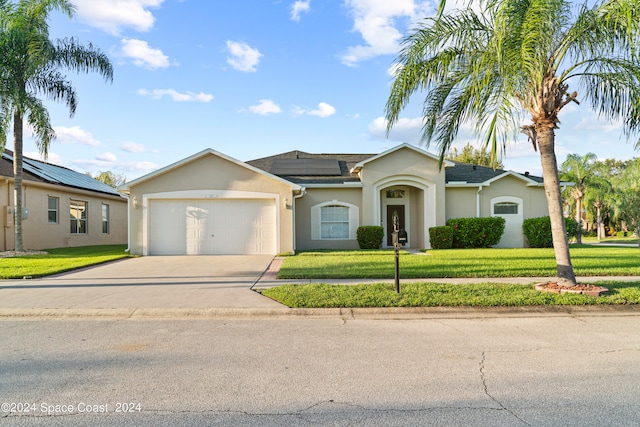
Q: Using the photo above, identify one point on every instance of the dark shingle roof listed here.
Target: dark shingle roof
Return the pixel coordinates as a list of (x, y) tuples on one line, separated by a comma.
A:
[(472, 174), (461, 172), (35, 170), (345, 161)]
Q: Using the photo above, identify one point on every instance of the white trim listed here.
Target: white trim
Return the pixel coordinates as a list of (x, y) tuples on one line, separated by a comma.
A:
[(204, 194), (316, 222)]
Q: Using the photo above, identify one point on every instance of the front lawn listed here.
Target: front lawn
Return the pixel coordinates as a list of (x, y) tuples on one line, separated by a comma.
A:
[(59, 260), (588, 260), (441, 295)]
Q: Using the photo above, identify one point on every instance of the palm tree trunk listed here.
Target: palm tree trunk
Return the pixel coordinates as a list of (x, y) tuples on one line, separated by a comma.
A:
[(546, 142), (579, 219), (17, 177)]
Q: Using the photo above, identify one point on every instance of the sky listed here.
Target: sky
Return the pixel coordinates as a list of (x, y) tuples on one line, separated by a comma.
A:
[(254, 78)]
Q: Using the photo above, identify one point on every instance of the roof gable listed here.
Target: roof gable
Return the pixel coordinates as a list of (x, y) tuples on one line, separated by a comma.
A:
[(360, 165), (465, 173), (207, 152)]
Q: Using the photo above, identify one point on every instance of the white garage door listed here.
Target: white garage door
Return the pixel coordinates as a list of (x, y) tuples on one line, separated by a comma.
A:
[(210, 227)]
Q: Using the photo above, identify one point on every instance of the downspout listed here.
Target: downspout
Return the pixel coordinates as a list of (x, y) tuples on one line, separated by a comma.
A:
[(303, 191), (478, 206), (5, 228), (128, 222)]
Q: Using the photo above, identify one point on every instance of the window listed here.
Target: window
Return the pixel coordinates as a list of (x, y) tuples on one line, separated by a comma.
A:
[(505, 208), (78, 213), (334, 220), (395, 194), (52, 210), (105, 218)]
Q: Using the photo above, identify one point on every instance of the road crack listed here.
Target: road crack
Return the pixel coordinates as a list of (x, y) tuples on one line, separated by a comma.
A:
[(485, 387)]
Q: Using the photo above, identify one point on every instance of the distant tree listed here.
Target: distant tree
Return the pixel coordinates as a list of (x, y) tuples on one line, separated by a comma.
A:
[(475, 156), (579, 170), (599, 194), (110, 178), (30, 68), (628, 196)]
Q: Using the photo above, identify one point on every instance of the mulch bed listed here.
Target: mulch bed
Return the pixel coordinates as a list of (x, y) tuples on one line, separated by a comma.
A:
[(584, 289)]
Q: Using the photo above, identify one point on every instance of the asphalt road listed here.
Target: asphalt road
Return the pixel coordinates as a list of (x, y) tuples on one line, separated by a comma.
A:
[(500, 371)]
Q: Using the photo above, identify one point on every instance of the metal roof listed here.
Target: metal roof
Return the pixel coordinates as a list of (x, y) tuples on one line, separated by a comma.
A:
[(61, 175)]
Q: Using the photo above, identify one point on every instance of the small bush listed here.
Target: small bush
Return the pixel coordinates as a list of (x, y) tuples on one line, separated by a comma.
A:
[(476, 232), (538, 231), (623, 233), (370, 236), (441, 237)]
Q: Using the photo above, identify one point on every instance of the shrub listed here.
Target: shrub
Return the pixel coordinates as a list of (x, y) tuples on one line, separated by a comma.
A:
[(538, 231), (476, 232), (370, 236), (623, 233), (441, 237)]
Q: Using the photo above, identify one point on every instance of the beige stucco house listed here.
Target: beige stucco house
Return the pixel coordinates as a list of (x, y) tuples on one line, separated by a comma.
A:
[(61, 207), (210, 203)]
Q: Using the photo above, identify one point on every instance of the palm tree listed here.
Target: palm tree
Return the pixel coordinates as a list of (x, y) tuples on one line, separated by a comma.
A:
[(628, 196), (578, 170), (30, 67), (516, 58), (600, 193)]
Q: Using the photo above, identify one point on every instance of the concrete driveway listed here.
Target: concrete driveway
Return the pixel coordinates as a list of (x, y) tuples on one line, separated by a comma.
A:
[(152, 282)]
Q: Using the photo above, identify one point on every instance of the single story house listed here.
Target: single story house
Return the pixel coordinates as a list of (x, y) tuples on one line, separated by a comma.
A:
[(61, 207), (210, 203)]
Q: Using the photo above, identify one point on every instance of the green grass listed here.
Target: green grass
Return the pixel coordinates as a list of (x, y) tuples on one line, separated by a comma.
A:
[(625, 240), (588, 260), (59, 260), (440, 295)]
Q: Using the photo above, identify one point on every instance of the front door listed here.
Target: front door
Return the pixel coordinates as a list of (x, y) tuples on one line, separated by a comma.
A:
[(393, 211)]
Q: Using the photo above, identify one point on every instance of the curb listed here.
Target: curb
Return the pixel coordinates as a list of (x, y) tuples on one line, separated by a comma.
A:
[(389, 313)]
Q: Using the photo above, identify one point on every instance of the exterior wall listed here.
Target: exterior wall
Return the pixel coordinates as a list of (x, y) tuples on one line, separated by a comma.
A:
[(461, 202), (533, 198), (406, 167), (217, 177), (313, 197), (38, 233)]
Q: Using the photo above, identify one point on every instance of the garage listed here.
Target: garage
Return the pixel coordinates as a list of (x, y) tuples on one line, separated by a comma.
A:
[(212, 226)]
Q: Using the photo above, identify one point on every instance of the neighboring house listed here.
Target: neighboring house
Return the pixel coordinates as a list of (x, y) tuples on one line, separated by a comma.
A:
[(62, 207), (210, 203)]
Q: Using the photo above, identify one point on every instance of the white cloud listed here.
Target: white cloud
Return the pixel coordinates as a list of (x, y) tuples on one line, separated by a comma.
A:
[(323, 110), (375, 20), (298, 7), (75, 135), (243, 57), (107, 157), (143, 55), (52, 158), (265, 107), (134, 147), (405, 130), (176, 96), (113, 16)]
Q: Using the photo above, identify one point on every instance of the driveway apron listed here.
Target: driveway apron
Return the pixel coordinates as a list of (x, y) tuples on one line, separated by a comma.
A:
[(216, 281)]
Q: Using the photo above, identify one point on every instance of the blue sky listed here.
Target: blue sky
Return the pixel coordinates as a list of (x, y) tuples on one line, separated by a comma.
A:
[(253, 78)]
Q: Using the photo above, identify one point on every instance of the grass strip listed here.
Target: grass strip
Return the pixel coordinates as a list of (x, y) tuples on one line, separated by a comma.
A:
[(587, 260), (59, 260), (442, 295)]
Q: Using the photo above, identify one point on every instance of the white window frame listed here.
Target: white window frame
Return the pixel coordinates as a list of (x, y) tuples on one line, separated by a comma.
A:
[(316, 220), (56, 210)]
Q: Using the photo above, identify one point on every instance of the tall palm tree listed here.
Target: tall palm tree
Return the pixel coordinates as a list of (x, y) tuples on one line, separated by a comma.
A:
[(600, 193), (514, 59), (628, 196), (31, 67), (578, 170)]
